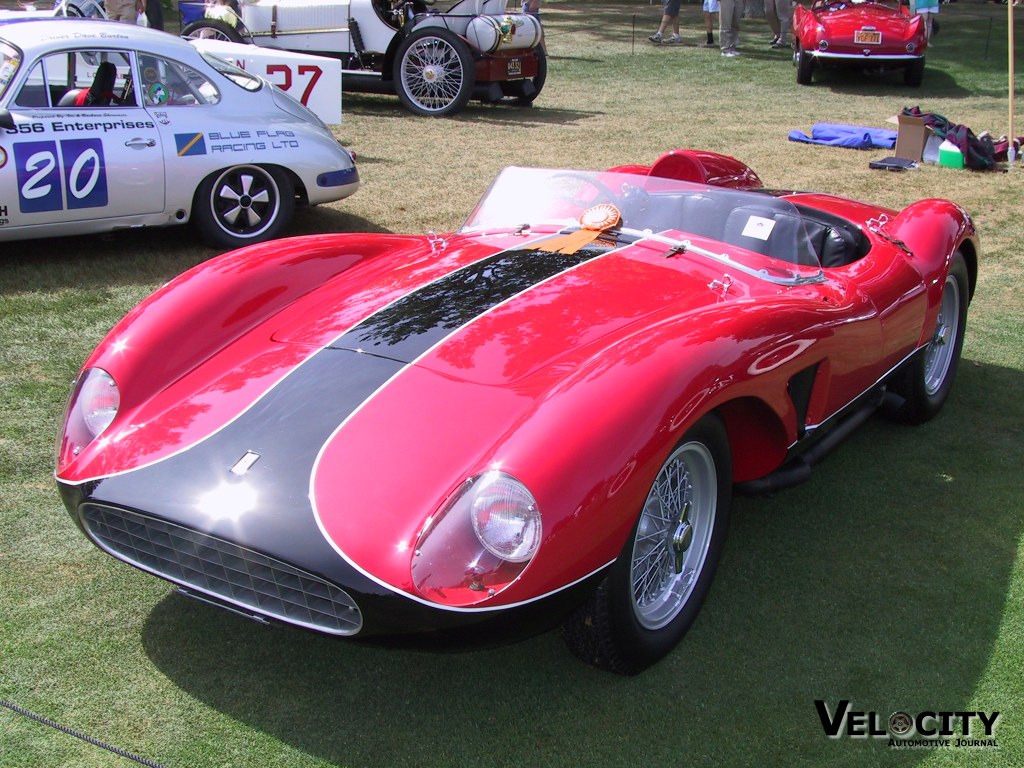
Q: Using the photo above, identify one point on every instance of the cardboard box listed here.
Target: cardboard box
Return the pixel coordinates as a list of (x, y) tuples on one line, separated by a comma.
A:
[(911, 137)]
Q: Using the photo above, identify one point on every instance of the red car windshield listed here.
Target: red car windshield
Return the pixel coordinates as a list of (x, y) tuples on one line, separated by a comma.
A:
[(754, 232)]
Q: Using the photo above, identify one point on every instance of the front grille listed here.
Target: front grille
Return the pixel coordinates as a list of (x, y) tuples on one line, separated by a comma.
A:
[(218, 568)]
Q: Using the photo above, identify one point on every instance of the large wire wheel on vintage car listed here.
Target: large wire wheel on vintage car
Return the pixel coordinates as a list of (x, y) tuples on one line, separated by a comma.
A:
[(656, 587), (211, 29), (927, 379), (244, 204), (433, 72)]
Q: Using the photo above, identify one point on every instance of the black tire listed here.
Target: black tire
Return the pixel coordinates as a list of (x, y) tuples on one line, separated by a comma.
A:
[(657, 585), (538, 81), (433, 72), (913, 75), (244, 204), (804, 66), (212, 29), (926, 379)]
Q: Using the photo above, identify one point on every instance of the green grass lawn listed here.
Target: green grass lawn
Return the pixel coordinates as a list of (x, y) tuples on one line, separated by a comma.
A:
[(892, 579)]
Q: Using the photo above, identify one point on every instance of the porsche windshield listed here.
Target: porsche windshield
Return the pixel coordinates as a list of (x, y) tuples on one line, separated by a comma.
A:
[(10, 58), (763, 235)]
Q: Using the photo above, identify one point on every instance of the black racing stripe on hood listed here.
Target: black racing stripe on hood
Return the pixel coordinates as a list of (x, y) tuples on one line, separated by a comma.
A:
[(288, 426), (412, 325)]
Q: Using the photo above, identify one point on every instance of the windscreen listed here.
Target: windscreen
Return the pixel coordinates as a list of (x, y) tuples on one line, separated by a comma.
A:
[(10, 59), (765, 234)]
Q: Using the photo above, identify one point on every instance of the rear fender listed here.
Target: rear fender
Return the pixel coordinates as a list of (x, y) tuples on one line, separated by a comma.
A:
[(933, 230)]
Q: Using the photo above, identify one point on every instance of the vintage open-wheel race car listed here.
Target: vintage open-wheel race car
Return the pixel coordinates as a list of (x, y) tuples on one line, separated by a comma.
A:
[(435, 60)]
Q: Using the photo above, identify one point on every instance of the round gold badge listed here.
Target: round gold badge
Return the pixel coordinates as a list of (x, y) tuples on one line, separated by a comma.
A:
[(600, 217)]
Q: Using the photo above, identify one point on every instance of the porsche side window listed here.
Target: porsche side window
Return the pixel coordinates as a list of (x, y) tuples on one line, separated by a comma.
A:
[(170, 83), (236, 75), (78, 79)]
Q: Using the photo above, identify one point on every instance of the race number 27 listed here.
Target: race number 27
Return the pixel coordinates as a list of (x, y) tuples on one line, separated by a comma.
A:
[(309, 72), (44, 186)]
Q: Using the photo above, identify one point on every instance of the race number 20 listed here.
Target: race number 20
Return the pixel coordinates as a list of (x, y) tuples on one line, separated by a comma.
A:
[(44, 186)]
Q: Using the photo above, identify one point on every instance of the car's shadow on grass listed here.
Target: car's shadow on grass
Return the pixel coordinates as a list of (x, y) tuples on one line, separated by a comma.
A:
[(852, 82), (385, 107), (881, 581)]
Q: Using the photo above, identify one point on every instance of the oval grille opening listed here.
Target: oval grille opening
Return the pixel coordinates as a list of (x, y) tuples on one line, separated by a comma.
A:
[(226, 571)]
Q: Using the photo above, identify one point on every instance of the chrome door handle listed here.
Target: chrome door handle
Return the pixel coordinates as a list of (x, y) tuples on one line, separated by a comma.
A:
[(139, 143)]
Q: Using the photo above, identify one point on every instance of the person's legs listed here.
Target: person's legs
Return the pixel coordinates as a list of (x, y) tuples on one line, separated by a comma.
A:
[(670, 17), (729, 25), (711, 8), (773, 18), (784, 11)]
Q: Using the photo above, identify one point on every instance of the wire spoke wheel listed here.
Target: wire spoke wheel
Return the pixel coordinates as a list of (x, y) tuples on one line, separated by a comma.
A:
[(940, 353), (211, 29), (654, 590), (431, 73), (673, 535), (434, 72), (925, 381)]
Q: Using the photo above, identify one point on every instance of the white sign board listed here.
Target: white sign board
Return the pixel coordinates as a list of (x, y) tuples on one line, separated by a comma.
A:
[(313, 80)]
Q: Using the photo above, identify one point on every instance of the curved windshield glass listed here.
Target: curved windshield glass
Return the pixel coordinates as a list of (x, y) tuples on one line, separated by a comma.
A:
[(10, 58), (763, 235)]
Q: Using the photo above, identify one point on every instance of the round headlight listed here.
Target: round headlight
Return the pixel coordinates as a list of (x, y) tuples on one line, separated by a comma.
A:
[(91, 408), (98, 400), (479, 543), (505, 517)]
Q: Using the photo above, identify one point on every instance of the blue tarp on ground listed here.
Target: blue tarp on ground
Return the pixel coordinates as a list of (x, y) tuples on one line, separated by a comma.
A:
[(853, 136)]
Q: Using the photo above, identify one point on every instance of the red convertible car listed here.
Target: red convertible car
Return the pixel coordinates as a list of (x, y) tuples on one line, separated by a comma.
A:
[(539, 417), (874, 35)]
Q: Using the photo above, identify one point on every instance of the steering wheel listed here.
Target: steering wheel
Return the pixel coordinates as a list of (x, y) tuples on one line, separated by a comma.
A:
[(604, 192), (633, 202)]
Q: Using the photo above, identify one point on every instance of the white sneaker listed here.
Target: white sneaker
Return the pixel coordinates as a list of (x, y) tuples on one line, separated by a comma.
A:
[(674, 40), (655, 38)]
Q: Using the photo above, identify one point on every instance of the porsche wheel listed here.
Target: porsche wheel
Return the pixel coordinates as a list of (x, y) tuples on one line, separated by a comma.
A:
[(244, 204), (656, 587), (211, 29), (926, 380), (804, 65), (434, 73), (913, 75)]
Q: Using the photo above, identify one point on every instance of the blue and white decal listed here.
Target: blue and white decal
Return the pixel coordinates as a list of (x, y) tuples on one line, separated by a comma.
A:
[(43, 187)]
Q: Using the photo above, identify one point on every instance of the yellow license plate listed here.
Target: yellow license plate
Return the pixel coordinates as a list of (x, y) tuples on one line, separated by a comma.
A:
[(867, 37)]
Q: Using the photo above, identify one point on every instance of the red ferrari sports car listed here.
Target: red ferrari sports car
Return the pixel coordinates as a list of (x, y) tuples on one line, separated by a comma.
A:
[(866, 34), (540, 417)]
